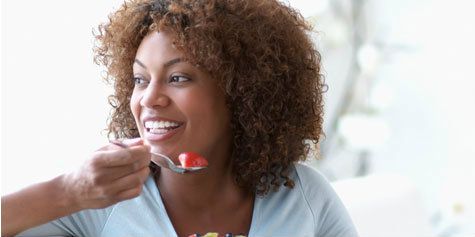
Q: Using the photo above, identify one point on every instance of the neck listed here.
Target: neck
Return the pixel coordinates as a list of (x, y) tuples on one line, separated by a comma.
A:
[(202, 190), (205, 201)]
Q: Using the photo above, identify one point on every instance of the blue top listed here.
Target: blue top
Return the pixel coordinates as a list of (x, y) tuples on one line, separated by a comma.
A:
[(311, 208)]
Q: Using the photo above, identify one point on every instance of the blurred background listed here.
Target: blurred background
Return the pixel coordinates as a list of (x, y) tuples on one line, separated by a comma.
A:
[(399, 107)]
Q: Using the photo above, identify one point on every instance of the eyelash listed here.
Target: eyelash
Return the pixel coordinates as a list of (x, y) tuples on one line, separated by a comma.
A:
[(173, 79), (139, 81)]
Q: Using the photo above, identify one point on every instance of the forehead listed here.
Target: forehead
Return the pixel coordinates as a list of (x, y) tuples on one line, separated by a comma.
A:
[(157, 47)]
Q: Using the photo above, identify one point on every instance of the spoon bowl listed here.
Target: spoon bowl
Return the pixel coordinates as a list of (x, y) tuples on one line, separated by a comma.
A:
[(165, 162)]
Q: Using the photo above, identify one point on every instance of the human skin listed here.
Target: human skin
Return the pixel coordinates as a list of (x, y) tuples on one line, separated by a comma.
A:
[(169, 89), (111, 175), (195, 202)]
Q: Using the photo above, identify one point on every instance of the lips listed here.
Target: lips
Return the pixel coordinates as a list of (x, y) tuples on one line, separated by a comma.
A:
[(159, 129)]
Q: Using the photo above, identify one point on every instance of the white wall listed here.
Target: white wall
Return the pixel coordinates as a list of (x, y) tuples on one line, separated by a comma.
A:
[(432, 114), (54, 103)]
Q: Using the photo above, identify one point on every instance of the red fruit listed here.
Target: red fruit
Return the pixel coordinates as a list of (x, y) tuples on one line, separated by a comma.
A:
[(190, 159)]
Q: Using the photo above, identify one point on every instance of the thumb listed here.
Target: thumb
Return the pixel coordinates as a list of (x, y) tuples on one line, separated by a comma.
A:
[(133, 141)]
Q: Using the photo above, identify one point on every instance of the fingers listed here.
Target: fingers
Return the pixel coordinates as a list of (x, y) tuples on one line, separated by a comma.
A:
[(129, 186), (133, 141), (121, 157), (129, 194), (117, 172), (112, 165), (94, 195), (123, 143), (128, 142), (111, 175)]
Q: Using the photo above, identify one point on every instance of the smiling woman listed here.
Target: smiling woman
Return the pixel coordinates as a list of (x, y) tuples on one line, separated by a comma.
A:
[(236, 81), (171, 91)]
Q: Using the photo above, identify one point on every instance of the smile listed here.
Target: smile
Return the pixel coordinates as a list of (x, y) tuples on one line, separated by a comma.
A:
[(160, 127), (159, 130)]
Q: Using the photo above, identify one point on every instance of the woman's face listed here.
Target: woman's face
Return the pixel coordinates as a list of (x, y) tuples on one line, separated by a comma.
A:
[(176, 106)]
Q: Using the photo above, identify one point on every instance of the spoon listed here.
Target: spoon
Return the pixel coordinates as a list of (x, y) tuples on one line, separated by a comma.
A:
[(165, 161)]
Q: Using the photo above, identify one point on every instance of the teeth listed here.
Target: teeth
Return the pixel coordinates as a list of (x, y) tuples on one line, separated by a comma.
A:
[(160, 124), (158, 130)]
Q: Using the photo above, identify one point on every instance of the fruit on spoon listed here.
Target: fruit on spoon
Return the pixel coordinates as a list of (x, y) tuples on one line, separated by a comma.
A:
[(191, 159)]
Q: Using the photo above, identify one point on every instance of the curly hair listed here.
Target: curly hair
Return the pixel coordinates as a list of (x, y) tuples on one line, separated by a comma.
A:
[(262, 57)]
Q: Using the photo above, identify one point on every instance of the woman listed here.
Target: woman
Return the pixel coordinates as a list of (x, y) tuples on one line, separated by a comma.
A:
[(237, 82)]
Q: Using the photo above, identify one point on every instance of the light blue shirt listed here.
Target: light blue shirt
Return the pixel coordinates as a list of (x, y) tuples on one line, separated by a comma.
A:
[(311, 208)]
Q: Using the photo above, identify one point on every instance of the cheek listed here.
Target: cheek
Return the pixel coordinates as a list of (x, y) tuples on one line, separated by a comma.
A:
[(202, 109), (213, 114)]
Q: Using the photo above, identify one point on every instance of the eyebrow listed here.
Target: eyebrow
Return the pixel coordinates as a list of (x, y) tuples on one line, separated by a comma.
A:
[(167, 64)]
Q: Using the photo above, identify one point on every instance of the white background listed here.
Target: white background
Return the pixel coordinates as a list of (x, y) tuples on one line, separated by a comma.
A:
[(54, 102)]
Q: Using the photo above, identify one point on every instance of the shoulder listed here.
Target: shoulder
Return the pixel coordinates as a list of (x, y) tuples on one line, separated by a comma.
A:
[(315, 189), (83, 223), (306, 174), (92, 222), (310, 208), (329, 214), (144, 215), (313, 184)]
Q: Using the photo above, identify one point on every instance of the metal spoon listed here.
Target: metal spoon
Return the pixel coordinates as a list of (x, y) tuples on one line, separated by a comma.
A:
[(165, 161)]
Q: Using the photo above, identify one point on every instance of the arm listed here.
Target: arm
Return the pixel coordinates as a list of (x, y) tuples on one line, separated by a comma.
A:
[(113, 174), (35, 205)]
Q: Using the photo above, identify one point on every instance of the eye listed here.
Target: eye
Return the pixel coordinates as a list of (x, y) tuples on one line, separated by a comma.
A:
[(178, 79), (139, 81)]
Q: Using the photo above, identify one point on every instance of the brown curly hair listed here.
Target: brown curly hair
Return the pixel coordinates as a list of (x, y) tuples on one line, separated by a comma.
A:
[(261, 55)]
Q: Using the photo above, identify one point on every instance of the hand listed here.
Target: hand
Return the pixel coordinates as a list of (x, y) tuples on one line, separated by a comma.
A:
[(113, 174)]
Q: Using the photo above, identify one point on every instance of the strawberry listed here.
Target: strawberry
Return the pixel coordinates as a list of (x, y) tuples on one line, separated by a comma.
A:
[(191, 159)]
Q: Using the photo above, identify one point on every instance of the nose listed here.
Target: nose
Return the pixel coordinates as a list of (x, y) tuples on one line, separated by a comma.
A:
[(154, 96)]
